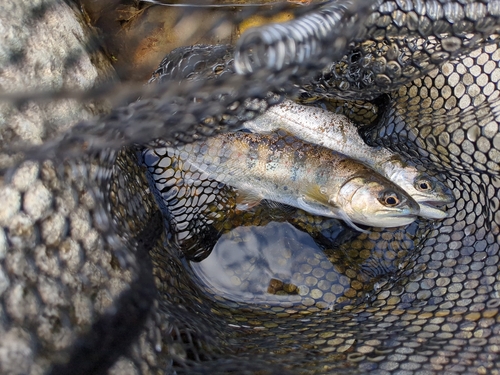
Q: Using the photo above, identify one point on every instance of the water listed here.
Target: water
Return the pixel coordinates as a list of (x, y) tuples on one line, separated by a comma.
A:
[(275, 264)]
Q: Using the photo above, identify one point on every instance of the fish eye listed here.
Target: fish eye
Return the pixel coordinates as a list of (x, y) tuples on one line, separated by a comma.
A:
[(424, 185), (390, 199)]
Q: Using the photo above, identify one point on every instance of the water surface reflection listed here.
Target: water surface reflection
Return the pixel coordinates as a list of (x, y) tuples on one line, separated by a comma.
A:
[(275, 264)]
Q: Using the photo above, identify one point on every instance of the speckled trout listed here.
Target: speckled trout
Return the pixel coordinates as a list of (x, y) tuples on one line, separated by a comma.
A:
[(282, 168), (338, 133)]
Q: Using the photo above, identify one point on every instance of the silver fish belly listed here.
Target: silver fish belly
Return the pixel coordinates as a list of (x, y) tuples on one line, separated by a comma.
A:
[(338, 133)]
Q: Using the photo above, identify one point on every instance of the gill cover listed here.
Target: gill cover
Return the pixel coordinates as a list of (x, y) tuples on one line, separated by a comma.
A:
[(377, 202), (316, 201)]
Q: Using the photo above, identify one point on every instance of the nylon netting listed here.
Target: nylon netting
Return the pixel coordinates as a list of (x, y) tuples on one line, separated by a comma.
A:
[(89, 280)]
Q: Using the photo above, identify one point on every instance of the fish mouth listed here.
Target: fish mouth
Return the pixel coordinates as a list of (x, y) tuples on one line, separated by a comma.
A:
[(438, 198), (405, 220), (432, 207), (433, 201), (432, 211), (392, 221)]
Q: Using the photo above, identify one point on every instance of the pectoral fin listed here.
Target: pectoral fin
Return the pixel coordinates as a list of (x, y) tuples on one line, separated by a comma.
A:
[(317, 203), (349, 222), (314, 193)]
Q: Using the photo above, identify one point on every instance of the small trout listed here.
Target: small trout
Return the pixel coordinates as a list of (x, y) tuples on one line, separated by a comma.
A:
[(338, 133), (282, 168)]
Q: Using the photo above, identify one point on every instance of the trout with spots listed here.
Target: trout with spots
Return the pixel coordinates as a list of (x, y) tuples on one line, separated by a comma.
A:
[(338, 133), (282, 168)]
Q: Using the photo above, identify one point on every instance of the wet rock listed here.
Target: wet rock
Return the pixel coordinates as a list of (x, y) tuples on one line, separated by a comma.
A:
[(42, 51)]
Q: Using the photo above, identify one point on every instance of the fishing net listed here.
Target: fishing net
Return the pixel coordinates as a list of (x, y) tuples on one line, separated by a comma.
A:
[(90, 279)]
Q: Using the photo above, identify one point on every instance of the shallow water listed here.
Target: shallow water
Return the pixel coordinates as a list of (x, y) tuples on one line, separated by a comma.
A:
[(275, 264), (279, 265)]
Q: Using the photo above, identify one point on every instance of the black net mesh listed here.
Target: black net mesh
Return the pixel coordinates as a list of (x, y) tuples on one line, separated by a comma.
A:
[(92, 279)]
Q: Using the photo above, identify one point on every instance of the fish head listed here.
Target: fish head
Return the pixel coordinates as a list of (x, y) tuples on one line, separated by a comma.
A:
[(375, 201), (430, 193)]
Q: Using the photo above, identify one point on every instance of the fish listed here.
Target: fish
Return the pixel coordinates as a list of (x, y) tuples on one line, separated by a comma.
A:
[(282, 168), (337, 132)]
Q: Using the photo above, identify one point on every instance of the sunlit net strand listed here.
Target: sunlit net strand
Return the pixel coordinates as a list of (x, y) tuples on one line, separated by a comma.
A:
[(297, 41), (201, 5), (320, 35), (291, 45)]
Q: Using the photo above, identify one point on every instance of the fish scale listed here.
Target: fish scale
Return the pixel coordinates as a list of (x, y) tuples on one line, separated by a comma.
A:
[(282, 168), (338, 133)]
